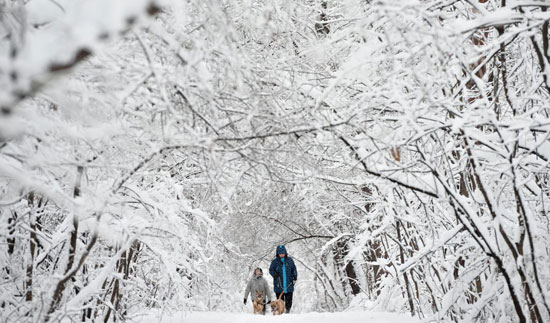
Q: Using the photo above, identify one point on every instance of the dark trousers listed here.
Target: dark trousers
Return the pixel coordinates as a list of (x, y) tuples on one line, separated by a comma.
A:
[(288, 300)]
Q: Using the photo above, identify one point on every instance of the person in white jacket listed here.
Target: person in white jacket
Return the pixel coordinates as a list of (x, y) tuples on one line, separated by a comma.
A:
[(258, 284)]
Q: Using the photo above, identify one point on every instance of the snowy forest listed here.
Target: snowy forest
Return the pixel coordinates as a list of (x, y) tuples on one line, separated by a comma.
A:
[(154, 152)]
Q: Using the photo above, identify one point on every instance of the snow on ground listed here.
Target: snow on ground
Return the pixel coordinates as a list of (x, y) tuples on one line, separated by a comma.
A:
[(220, 317)]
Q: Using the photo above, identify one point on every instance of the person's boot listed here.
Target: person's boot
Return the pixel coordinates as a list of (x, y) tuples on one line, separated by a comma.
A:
[(287, 310)]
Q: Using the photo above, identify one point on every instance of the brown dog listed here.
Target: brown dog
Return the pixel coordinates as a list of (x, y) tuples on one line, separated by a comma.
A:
[(258, 303), (278, 306)]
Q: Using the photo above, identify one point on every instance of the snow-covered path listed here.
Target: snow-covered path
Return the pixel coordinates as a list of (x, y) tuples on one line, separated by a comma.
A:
[(344, 317)]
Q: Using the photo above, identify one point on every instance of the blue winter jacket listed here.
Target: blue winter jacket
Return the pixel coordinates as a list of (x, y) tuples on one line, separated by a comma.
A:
[(276, 270)]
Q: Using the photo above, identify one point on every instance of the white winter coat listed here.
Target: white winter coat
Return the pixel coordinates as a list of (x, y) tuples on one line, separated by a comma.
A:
[(258, 284)]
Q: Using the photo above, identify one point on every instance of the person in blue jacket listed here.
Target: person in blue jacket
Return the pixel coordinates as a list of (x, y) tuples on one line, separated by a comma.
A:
[(284, 273)]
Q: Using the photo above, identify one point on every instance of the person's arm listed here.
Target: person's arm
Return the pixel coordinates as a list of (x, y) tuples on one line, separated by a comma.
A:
[(294, 271), (247, 291), (272, 271)]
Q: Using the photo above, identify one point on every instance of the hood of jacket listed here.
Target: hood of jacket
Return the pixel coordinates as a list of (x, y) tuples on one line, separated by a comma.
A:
[(280, 250), (254, 273)]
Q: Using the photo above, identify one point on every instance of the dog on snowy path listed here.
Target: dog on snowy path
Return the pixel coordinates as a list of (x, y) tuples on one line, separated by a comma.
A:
[(258, 303), (278, 306)]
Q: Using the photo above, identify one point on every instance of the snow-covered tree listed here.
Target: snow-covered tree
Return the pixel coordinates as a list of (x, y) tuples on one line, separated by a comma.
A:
[(152, 153)]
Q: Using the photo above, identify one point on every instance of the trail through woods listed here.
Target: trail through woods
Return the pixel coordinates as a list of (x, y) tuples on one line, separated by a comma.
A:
[(154, 153), (211, 317)]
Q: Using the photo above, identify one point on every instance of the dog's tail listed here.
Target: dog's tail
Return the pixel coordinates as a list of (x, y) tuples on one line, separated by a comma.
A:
[(280, 296)]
